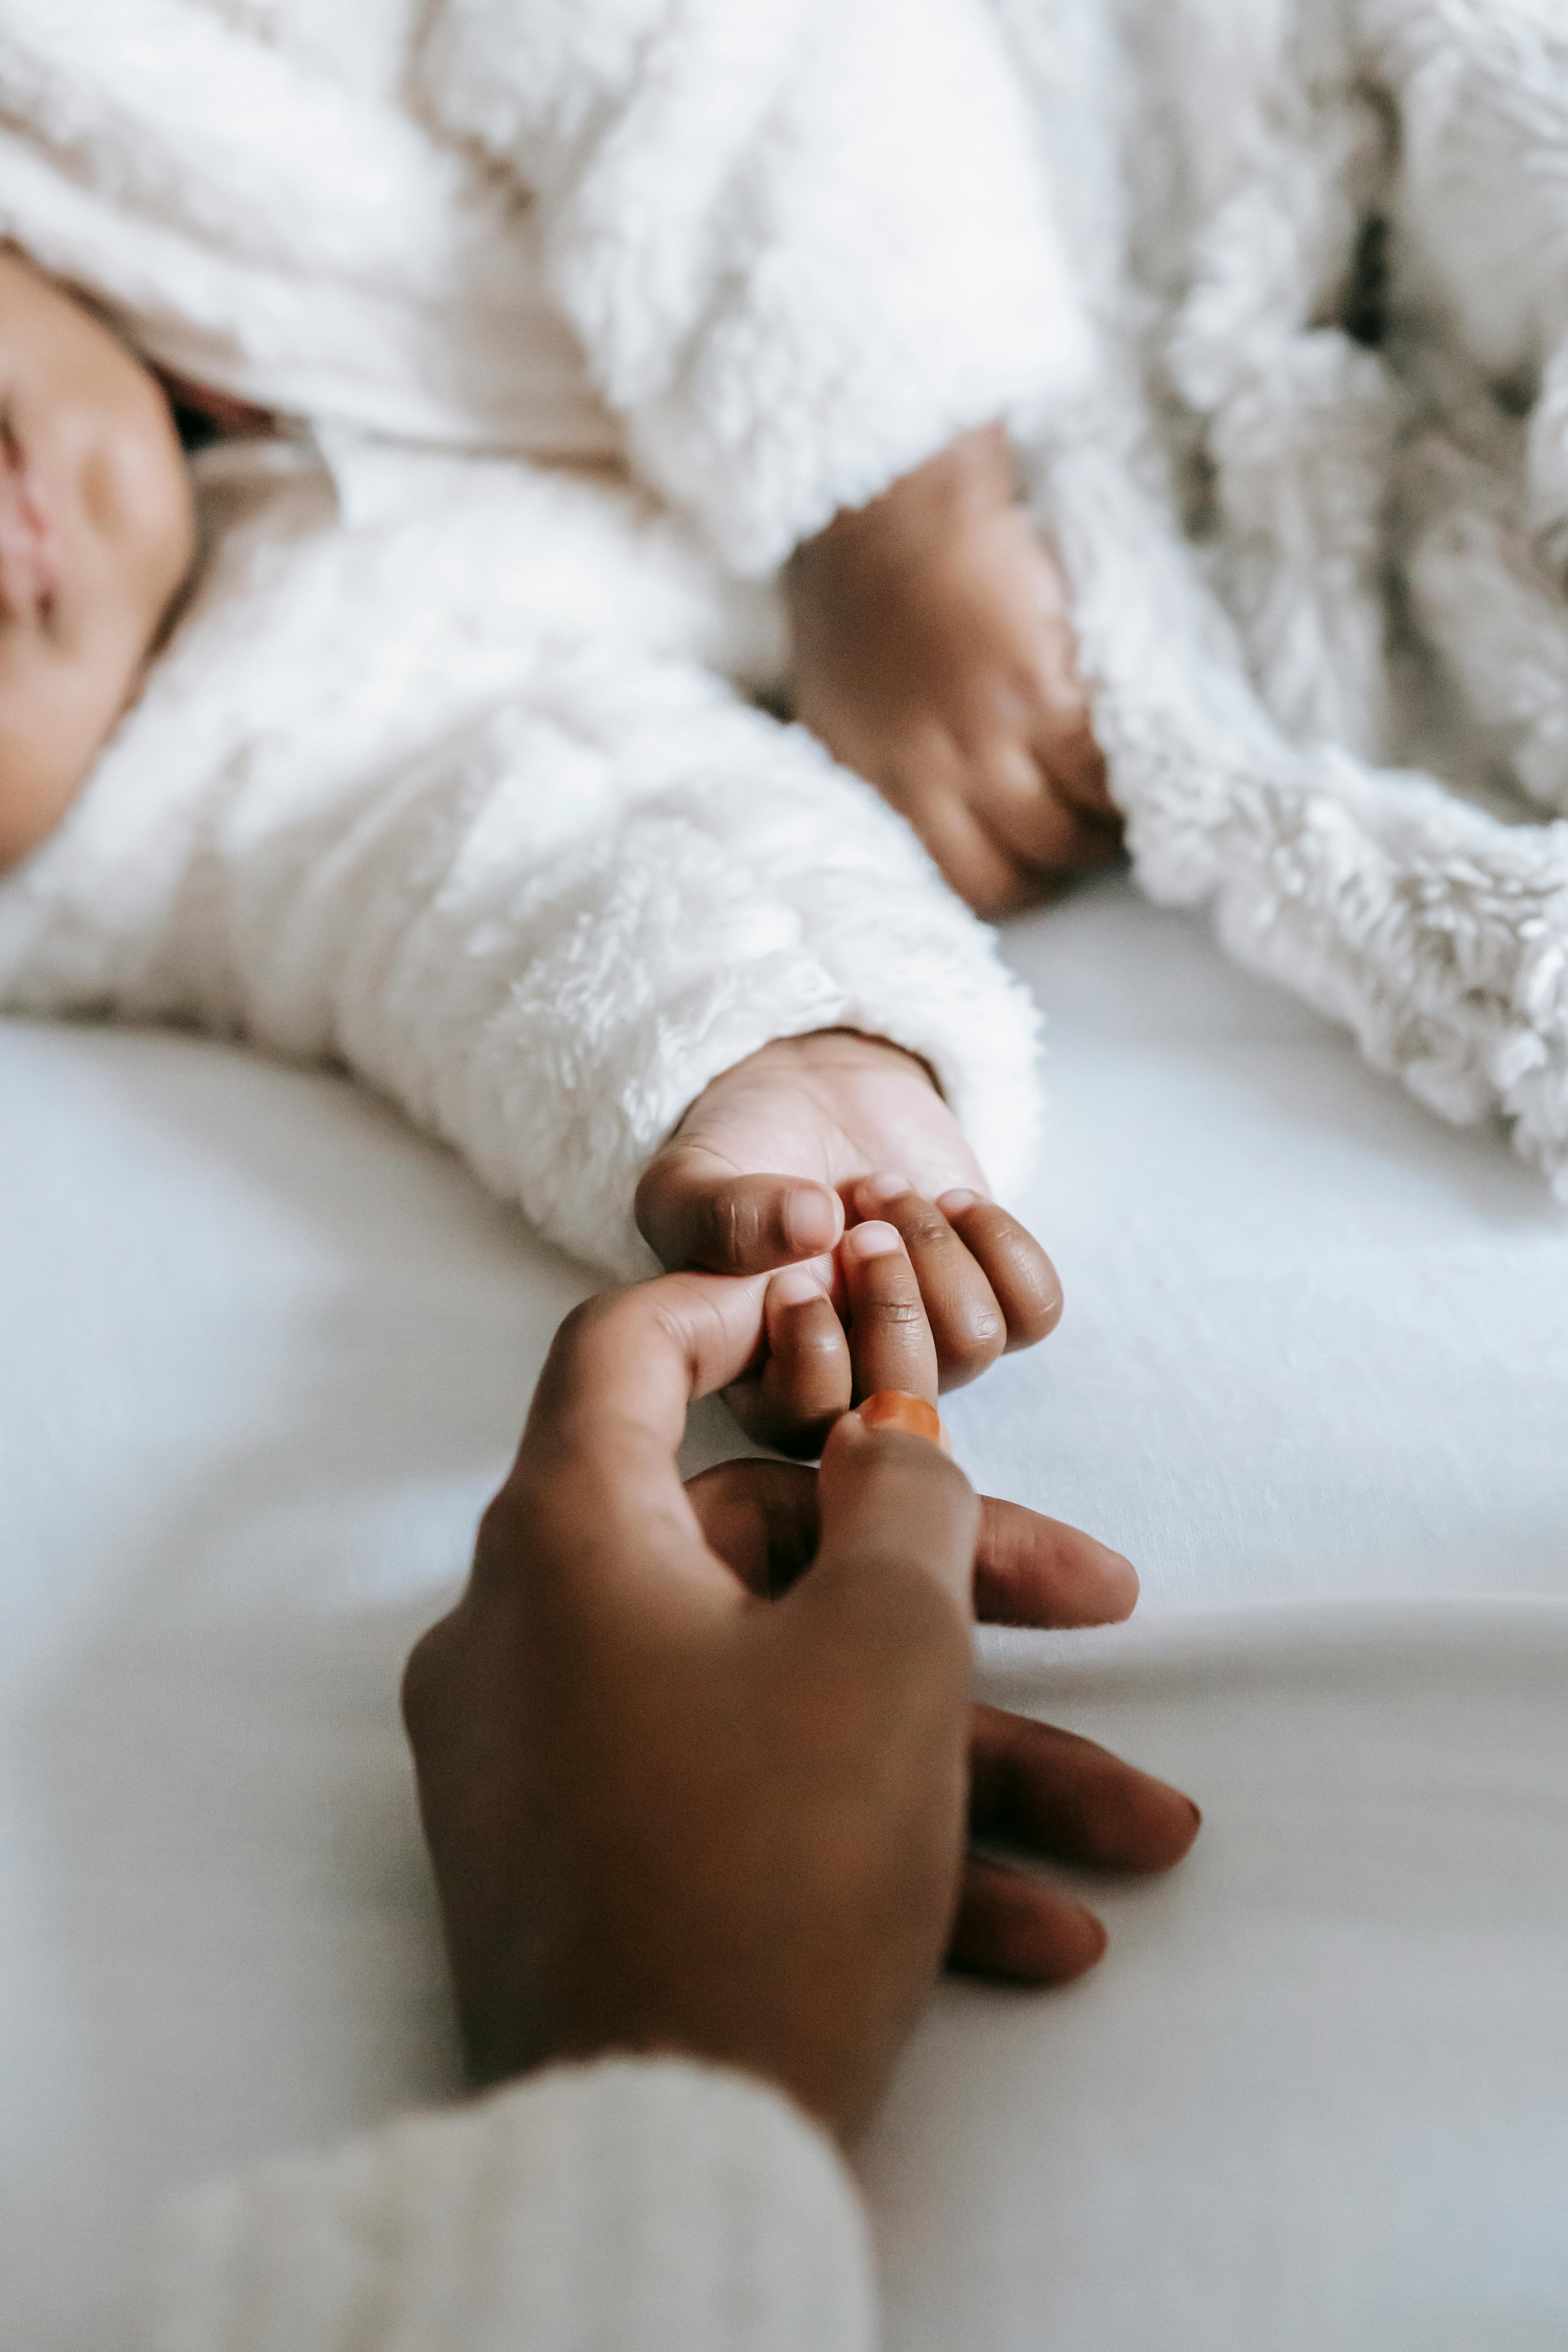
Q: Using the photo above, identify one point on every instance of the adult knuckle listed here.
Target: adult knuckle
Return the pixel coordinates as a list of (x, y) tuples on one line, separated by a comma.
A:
[(426, 1674), (578, 1330)]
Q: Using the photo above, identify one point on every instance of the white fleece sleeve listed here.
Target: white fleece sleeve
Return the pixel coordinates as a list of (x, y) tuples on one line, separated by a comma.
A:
[(803, 244), (629, 2206), (598, 879)]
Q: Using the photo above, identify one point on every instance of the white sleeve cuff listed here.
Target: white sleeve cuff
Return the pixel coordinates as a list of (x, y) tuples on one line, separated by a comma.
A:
[(635, 2205), (804, 246)]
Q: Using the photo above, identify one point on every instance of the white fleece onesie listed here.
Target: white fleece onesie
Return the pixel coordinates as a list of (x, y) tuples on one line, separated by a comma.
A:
[(445, 771)]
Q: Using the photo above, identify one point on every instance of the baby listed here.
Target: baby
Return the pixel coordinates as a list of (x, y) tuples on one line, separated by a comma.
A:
[(445, 761), (931, 649), (932, 646)]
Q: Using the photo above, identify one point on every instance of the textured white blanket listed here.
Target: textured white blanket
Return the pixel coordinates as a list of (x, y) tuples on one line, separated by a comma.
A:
[(1315, 511)]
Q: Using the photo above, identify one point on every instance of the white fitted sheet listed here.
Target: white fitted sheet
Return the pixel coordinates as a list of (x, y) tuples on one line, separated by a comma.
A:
[(265, 1352)]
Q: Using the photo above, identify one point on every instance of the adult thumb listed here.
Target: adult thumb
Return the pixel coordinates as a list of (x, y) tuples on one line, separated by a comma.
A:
[(899, 1520)]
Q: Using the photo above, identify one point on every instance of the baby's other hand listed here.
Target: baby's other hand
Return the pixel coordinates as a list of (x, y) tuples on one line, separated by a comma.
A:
[(808, 1155), (934, 655)]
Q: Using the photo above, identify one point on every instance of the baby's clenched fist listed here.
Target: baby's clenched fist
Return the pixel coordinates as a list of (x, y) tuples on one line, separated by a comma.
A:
[(933, 655), (809, 1154)]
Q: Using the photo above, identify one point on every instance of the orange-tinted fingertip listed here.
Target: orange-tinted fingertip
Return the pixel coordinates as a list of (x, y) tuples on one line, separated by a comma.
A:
[(896, 1409)]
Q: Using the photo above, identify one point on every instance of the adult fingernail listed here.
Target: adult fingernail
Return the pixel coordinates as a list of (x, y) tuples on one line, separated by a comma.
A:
[(872, 1240), (880, 1189), (796, 1286), (897, 1409), (955, 1203), (810, 1219)]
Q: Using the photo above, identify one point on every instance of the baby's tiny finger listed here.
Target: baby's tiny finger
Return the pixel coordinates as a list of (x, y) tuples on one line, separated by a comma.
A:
[(806, 1383), (694, 1210), (992, 881), (1026, 1285), (890, 1344), (966, 1321), (1010, 1925)]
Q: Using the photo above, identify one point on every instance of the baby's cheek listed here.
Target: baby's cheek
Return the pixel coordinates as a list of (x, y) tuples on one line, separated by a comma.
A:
[(53, 725)]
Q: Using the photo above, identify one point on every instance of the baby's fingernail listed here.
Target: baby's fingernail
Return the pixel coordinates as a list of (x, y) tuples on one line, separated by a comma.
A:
[(795, 1287), (810, 1219), (953, 1203), (872, 1240), (880, 1189)]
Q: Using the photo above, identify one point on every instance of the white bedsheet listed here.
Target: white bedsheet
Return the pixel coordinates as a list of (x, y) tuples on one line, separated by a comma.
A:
[(263, 1355)]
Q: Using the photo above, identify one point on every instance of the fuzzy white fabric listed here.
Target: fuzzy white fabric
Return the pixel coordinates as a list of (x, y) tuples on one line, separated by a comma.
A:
[(630, 2206), (1316, 522), (433, 781), (445, 771), (557, 226)]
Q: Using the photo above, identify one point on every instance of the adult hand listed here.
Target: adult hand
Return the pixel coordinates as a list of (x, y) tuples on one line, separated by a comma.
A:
[(668, 1812), (782, 1154)]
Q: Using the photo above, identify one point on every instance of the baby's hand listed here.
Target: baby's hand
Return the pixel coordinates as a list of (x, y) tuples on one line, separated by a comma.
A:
[(833, 1155), (934, 655)]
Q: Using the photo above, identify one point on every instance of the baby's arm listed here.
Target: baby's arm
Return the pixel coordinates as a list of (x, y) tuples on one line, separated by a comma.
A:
[(810, 254), (804, 242), (550, 931), (933, 654)]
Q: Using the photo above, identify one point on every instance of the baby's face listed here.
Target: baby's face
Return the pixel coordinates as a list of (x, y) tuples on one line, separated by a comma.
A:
[(97, 532)]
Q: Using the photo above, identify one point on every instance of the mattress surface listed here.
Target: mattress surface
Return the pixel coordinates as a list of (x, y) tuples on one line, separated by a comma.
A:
[(265, 1354)]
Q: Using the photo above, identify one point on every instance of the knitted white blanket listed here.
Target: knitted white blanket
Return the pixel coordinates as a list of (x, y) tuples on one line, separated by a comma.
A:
[(1317, 510)]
